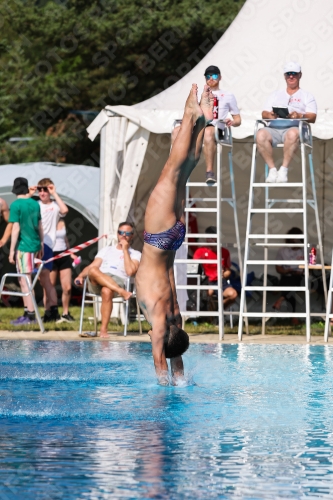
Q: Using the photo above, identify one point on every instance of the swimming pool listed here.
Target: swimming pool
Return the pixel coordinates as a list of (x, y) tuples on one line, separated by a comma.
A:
[(87, 420)]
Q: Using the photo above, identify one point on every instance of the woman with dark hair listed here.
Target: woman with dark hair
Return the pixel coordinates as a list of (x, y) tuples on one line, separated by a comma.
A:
[(290, 275), (164, 234)]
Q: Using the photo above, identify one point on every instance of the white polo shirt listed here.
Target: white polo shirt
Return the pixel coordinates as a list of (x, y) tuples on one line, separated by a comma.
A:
[(290, 253), (226, 103), (301, 101), (50, 213), (113, 260)]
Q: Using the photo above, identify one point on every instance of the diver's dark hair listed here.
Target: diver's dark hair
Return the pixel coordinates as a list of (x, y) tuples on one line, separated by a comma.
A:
[(126, 223), (176, 343)]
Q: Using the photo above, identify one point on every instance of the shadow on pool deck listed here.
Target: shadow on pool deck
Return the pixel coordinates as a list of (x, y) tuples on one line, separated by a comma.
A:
[(230, 338)]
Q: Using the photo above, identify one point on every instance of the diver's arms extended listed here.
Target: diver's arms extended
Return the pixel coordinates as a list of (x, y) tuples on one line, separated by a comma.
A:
[(177, 367), (157, 335), (157, 341)]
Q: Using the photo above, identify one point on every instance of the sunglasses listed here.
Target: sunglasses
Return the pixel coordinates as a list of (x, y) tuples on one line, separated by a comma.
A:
[(214, 76), (291, 73), (42, 188), (125, 233)]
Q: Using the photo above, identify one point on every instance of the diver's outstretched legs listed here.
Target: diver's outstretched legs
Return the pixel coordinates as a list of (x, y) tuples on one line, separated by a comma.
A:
[(163, 208)]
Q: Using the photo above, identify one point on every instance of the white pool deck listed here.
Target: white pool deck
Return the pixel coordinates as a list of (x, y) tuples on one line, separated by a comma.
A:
[(202, 338)]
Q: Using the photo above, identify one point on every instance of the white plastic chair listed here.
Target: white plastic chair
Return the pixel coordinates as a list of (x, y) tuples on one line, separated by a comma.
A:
[(94, 298), (30, 286)]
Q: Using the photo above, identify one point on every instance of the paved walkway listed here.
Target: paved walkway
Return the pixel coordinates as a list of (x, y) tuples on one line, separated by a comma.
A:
[(194, 338)]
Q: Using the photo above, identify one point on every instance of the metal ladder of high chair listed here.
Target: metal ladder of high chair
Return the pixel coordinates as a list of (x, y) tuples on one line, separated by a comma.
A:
[(329, 314), (224, 140), (305, 138)]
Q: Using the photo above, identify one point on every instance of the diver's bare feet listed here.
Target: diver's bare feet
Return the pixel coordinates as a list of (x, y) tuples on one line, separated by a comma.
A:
[(163, 377), (207, 104), (192, 106), (104, 335)]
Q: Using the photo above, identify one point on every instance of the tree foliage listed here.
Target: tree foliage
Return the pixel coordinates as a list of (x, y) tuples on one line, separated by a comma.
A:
[(58, 56)]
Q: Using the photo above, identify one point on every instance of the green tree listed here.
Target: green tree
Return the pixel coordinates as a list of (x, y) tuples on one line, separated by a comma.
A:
[(58, 57)]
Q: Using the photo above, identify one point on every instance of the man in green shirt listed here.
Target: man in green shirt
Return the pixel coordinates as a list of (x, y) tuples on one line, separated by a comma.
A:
[(26, 239)]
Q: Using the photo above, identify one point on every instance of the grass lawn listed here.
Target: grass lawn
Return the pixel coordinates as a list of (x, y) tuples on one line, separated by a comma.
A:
[(8, 314)]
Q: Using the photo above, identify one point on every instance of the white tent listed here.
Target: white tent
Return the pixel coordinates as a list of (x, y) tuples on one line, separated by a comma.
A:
[(135, 140), (78, 185)]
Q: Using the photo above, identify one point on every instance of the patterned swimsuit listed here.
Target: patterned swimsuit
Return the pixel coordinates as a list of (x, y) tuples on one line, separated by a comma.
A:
[(167, 240)]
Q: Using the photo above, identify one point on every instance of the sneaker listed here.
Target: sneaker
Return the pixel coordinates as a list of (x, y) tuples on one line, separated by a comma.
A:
[(282, 175), (51, 316), (18, 320), (27, 321), (55, 313), (47, 318), (272, 175), (88, 334), (210, 178), (68, 318)]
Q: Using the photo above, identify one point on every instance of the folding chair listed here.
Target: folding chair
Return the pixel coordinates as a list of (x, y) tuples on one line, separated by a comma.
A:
[(94, 299), (30, 286)]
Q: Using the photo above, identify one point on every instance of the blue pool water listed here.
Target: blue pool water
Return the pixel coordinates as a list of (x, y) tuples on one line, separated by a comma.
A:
[(88, 420)]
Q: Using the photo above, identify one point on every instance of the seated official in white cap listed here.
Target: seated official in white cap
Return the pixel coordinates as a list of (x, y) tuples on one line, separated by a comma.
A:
[(299, 104)]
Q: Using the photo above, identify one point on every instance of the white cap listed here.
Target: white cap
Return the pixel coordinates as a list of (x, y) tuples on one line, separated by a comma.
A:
[(292, 66)]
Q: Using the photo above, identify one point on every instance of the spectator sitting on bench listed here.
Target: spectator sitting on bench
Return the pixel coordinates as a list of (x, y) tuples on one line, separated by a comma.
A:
[(290, 275), (210, 270), (108, 272)]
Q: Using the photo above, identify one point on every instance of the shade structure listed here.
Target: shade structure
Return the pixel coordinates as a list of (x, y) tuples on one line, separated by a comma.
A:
[(251, 55), (78, 185)]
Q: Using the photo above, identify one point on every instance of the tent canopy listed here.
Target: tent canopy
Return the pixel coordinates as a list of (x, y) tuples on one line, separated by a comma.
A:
[(251, 55), (78, 185), (135, 140)]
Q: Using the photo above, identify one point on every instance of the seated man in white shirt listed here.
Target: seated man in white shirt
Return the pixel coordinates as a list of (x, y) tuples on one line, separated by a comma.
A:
[(108, 273), (226, 104), (301, 104)]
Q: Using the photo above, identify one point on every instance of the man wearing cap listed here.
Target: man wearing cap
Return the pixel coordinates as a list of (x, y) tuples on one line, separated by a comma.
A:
[(301, 104), (26, 240), (226, 105)]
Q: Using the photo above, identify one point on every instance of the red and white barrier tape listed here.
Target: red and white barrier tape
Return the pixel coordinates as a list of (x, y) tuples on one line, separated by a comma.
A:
[(75, 249)]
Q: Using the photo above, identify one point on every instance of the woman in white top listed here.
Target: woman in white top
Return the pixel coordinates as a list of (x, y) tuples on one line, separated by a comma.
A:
[(63, 268)]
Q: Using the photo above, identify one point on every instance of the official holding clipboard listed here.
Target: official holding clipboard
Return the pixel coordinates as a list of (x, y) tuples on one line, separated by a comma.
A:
[(292, 104)]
